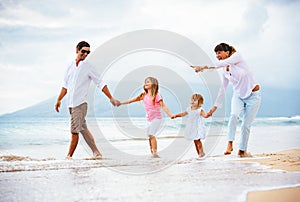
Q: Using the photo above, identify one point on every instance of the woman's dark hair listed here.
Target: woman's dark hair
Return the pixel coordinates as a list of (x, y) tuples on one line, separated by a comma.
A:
[(82, 44), (225, 47)]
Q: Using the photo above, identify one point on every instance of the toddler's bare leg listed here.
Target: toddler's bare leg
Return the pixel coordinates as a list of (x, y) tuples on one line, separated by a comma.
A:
[(197, 146), (200, 147)]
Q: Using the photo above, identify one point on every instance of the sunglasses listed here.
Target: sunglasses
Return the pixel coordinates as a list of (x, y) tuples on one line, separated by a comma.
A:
[(85, 51)]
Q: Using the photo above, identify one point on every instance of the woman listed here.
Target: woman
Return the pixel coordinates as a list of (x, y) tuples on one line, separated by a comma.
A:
[(246, 94)]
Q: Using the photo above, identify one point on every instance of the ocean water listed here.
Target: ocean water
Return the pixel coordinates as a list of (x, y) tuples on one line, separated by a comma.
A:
[(33, 165), (21, 133)]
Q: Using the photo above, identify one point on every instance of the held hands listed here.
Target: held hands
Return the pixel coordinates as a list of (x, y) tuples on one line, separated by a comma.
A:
[(209, 114), (212, 111), (199, 68), (115, 102)]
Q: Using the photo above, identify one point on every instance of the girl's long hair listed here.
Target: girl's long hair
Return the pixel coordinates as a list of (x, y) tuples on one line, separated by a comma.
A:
[(153, 90)]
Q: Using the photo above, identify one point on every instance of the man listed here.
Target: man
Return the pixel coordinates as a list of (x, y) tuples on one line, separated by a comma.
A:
[(76, 83)]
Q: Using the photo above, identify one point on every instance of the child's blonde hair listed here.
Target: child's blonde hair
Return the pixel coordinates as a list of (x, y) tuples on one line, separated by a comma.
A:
[(199, 98), (153, 90)]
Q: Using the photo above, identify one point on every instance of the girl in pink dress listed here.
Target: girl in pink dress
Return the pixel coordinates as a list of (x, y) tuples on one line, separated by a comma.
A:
[(153, 102)]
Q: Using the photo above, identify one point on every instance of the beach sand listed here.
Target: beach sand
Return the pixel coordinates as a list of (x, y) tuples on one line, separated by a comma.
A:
[(277, 195), (288, 160)]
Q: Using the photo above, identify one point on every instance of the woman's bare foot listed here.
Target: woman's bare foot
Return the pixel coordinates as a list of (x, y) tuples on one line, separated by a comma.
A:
[(229, 148), (227, 152), (244, 154)]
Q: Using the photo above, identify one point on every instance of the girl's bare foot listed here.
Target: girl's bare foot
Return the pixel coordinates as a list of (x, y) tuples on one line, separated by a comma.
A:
[(244, 154)]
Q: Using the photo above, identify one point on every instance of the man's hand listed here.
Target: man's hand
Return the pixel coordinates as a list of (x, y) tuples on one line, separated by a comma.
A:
[(57, 106), (62, 94)]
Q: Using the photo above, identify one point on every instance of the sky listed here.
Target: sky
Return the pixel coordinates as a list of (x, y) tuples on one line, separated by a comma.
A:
[(38, 38)]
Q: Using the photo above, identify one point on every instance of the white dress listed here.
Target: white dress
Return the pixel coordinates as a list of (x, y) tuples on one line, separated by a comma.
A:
[(195, 128)]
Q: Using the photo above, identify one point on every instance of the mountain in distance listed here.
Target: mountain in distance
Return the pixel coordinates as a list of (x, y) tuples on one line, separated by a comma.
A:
[(275, 103), (46, 108)]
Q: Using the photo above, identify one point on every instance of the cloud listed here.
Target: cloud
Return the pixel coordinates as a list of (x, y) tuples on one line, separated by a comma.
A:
[(273, 54), (18, 15), (254, 19), (281, 2)]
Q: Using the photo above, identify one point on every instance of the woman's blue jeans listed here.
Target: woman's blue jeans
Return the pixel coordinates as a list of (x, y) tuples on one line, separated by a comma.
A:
[(248, 109)]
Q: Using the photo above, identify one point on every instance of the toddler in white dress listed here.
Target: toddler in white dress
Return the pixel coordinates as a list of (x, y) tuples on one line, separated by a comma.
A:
[(195, 128)]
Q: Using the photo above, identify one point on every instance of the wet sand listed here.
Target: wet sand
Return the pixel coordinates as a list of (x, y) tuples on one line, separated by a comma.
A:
[(288, 160)]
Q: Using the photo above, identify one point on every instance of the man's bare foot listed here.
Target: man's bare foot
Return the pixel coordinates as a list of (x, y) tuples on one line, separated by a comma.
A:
[(97, 156), (244, 154), (155, 155)]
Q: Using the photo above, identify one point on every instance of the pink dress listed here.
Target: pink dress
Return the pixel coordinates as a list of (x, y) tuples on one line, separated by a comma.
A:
[(152, 111)]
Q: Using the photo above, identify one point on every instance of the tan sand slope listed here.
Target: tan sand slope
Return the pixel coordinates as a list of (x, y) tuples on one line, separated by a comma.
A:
[(285, 160)]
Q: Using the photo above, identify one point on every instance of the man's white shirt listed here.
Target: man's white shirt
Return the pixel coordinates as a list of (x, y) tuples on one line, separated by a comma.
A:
[(77, 81)]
